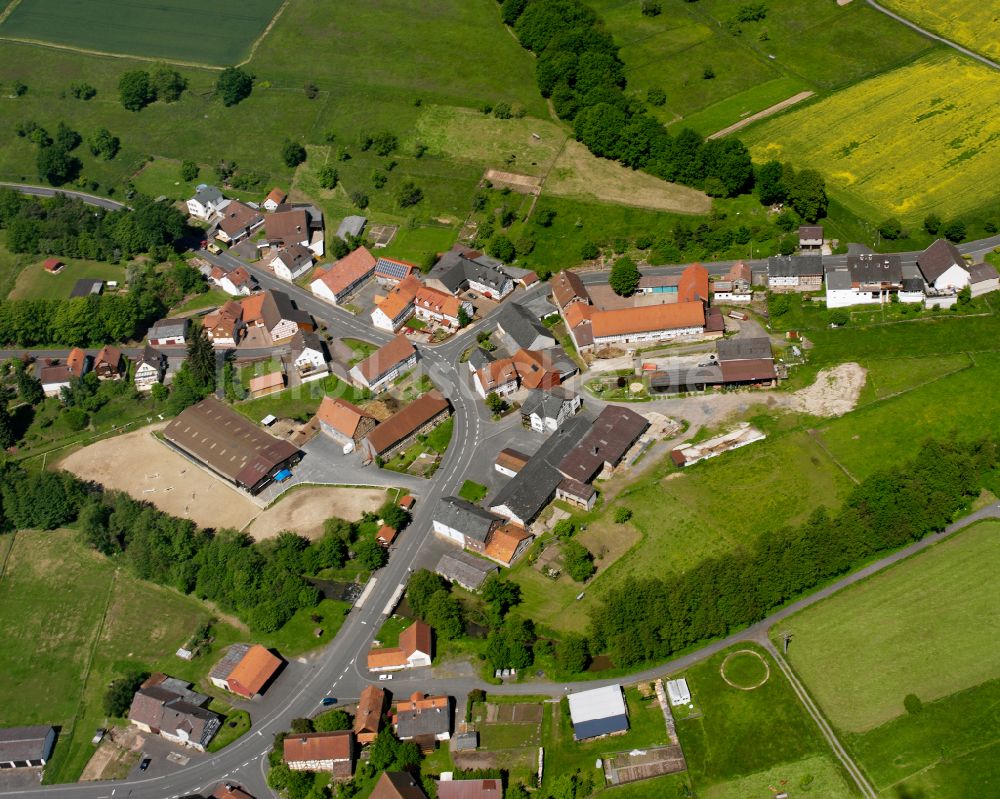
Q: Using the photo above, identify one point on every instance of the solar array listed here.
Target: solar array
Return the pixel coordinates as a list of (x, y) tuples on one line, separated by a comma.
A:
[(391, 268)]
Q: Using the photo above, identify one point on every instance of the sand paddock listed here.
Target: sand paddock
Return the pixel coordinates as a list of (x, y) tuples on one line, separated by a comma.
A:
[(147, 469)]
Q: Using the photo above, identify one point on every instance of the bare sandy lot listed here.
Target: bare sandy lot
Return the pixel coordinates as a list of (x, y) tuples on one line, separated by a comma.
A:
[(305, 510), (834, 393), (148, 469)]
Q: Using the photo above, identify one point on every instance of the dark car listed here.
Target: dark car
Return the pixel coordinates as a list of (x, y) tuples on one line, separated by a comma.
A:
[(144, 763), (329, 700)]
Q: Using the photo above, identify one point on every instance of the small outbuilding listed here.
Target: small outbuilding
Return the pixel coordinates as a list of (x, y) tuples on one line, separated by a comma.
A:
[(678, 692)]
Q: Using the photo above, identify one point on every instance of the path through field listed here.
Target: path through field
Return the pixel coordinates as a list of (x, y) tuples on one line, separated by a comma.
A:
[(774, 109)]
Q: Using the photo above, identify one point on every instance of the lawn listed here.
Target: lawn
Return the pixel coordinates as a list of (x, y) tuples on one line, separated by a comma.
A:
[(155, 30), (360, 349), (936, 106), (740, 106), (10, 266), (907, 630), (388, 633), (963, 21), (683, 517), (473, 492), (235, 723), (34, 283), (161, 177), (207, 299), (298, 402), (817, 776), (735, 739), (67, 650)]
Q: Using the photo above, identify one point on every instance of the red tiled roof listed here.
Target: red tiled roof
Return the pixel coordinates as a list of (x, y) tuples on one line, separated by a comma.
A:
[(383, 359), (341, 415), (347, 271), (319, 746), (437, 302), (504, 542), (402, 423), (625, 321), (693, 284), (253, 671), (276, 196), (416, 638)]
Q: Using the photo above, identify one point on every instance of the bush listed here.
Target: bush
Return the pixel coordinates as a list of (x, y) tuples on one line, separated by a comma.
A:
[(359, 199), (622, 514), (409, 194), (234, 85), (76, 419), (501, 247), (932, 224), (564, 528), (83, 91), (954, 231), (913, 704), (135, 90), (589, 251), (656, 97), (891, 229), (624, 279), (524, 245), (651, 8), (708, 72), (189, 171), (502, 110), (329, 177), (311, 90), (839, 317), (578, 561), (118, 697), (292, 153)]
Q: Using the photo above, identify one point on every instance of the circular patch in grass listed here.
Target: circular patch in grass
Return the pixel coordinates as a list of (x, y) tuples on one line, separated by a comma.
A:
[(745, 670)]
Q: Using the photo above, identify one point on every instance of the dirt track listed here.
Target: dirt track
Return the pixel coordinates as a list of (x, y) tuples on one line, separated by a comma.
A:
[(770, 111)]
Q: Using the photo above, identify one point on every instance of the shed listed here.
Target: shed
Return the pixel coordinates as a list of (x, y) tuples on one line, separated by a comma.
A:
[(678, 692), (467, 570), (598, 712)]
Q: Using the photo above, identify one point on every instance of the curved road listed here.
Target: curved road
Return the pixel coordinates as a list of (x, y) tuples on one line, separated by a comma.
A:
[(48, 191)]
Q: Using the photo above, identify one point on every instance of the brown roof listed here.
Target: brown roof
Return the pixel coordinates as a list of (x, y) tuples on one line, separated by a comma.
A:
[(512, 459), (397, 785), (693, 284), (567, 287), (470, 789), (371, 705), (386, 658), (76, 361), (938, 259), (386, 534), (228, 442), (983, 271), (497, 374), (253, 671), (416, 638), (612, 433), (112, 356), (385, 358), (742, 371), (253, 308), (287, 227), (625, 321), (406, 420), (229, 791), (238, 217), (341, 415), (810, 231), (348, 270), (438, 302), (419, 701), (276, 196), (532, 370), (740, 271), (267, 382), (575, 488), (338, 745), (400, 298), (504, 542), (407, 502), (54, 374), (239, 276)]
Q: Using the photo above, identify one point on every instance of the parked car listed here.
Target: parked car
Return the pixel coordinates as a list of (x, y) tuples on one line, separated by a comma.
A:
[(329, 700), (98, 736), (385, 676), (144, 763)]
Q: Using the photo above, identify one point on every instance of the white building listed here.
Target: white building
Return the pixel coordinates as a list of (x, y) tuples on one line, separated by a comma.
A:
[(545, 411), (290, 263), (678, 692), (869, 279), (206, 203), (598, 712)]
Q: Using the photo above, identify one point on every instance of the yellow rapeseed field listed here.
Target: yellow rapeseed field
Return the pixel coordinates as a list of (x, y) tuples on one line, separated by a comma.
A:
[(972, 23), (922, 138)]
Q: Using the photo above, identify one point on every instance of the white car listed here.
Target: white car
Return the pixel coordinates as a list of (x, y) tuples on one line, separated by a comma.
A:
[(385, 677)]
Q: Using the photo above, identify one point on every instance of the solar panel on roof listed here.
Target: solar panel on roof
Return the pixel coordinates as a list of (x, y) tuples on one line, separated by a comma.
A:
[(390, 268)]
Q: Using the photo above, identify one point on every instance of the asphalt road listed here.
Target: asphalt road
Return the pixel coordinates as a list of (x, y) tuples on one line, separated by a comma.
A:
[(46, 191), (338, 669)]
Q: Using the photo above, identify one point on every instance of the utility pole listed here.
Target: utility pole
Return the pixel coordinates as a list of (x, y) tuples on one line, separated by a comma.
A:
[(786, 636)]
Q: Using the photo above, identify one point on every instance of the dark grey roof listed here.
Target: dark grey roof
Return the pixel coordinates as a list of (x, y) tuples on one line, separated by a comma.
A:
[(169, 328), (26, 743), (614, 431), (278, 306), (208, 195), (596, 727), (301, 341), (351, 226), (151, 356), (229, 661), (465, 741), (523, 328), (794, 265), (875, 268), (465, 569), (983, 271), (454, 270), (545, 403), (913, 284), (466, 517), (532, 488), (558, 360), (479, 357), (416, 723), (740, 349), (685, 378), (938, 259), (86, 286), (838, 278)]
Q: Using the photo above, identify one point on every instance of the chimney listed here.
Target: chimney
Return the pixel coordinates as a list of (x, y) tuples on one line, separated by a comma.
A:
[(593, 450)]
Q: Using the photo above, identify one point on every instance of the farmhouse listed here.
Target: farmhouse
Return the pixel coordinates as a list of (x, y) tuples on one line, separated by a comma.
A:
[(795, 273), (598, 712), (26, 747), (274, 312), (432, 305), (149, 368), (290, 263), (644, 324), (507, 544), (868, 279), (169, 333), (109, 363), (397, 785), (391, 312), (167, 707), (496, 377), (368, 716), (470, 789), (406, 424), (238, 221), (943, 268), (423, 719), (237, 282), (612, 434), (524, 496), (545, 410), (378, 370), (245, 670), (461, 269), (464, 523), (351, 226), (321, 751), (414, 650), (536, 370), (346, 276), (230, 445), (520, 329), (811, 239), (567, 289), (390, 271), (344, 422), (275, 198), (735, 286), (206, 203), (289, 225), (467, 570), (576, 493), (224, 326), (983, 278), (308, 357)]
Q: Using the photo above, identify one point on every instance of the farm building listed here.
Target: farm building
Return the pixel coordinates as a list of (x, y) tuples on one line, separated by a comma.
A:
[(868, 279), (169, 333), (423, 719), (393, 310), (598, 712), (230, 445), (645, 324), (414, 650), (678, 692), (368, 716), (983, 278), (470, 789), (397, 785), (166, 706), (467, 570), (392, 271), (351, 226), (344, 422), (275, 199), (86, 287), (26, 747), (811, 239), (688, 454), (545, 410), (521, 329), (378, 370), (611, 435), (262, 385), (321, 751), (406, 424), (795, 273), (507, 544), (245, 670), (206, 203), (53, 266), (943, 268), (238, 221), (462, 269), (509, 462), (335, 283)]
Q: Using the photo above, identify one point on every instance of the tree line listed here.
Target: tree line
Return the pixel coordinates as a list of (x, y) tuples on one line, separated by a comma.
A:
[(646, 619)]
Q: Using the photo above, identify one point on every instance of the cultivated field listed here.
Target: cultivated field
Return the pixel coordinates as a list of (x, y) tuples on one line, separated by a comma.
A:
[(966, 22), (169, 30), (914, 140), (928, 626)]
